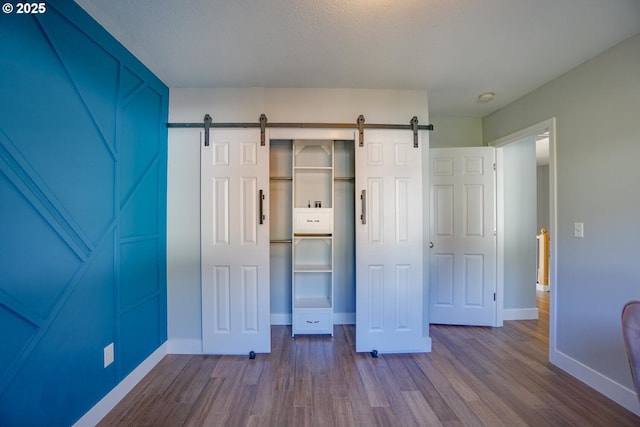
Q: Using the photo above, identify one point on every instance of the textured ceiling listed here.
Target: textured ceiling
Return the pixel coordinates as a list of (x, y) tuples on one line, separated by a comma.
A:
[(456, 49)]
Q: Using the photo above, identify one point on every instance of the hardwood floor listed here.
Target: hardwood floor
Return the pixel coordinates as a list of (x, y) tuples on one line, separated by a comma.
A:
[(473, 377)]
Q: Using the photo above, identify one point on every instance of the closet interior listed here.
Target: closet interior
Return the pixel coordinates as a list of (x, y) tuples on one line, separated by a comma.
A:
[(312, 235)]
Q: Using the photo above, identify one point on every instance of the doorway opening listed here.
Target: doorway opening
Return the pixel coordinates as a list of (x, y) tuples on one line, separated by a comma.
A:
[(542, 131), (542, 192)]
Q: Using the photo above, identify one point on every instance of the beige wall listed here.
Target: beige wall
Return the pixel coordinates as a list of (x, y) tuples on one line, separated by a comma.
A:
[(455, 132)]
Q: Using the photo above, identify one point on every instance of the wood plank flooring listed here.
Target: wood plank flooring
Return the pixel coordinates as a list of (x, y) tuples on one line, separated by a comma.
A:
[(473, 377)]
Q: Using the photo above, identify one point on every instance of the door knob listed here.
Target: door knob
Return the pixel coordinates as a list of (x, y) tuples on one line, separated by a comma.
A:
[(430, 244)]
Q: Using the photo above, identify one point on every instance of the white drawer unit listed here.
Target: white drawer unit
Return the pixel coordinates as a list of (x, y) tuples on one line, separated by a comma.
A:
[(312, 321), (313, 221), (312, 229)]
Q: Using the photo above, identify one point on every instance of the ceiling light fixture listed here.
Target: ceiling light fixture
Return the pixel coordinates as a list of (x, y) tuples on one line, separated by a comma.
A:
[(486, 97)]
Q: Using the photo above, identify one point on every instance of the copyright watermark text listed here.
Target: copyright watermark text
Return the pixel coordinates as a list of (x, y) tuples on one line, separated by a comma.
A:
[(24, 8)]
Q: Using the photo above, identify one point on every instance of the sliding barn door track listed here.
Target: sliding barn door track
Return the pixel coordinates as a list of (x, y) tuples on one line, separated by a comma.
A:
[(263, 123)]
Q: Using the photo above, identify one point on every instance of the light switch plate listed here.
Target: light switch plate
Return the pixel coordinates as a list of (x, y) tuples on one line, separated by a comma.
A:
[(578, 229), (108, 355)]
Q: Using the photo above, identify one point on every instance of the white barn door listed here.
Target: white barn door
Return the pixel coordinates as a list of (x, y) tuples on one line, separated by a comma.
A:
[(389, 237), (235, 243), (463, 257)]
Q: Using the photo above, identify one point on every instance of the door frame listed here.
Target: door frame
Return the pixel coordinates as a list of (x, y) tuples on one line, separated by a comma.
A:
[(550, 126), (347, 134)]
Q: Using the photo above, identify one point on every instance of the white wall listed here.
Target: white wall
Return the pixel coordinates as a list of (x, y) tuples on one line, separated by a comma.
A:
[(245, 105), (597, 150)]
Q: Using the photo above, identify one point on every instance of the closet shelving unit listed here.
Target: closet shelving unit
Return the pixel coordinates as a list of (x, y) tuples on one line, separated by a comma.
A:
[(312, 249)]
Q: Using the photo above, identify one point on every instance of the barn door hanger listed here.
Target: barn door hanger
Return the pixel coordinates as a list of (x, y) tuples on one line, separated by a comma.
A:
[(207, 126), (263, 126), (413, 126), (360, 123)]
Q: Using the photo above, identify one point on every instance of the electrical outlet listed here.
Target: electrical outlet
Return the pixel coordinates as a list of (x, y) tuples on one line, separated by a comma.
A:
[(109, 355), (578, 229)]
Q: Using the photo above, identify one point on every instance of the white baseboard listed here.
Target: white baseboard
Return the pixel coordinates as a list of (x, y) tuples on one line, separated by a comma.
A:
[(183, 346), (280, 318), (344, 318), (107, 403), (519, 313), (594, 379), (338, 318)]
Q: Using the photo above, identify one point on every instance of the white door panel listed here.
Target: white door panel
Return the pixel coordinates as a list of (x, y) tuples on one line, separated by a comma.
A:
[(389, 273), (235, 243), (463, 257)]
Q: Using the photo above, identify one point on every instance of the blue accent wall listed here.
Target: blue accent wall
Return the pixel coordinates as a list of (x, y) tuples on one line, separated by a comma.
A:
[(83, 156)]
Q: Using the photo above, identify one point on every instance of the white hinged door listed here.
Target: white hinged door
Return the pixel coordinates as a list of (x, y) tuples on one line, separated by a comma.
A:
[(389, 237), (463, 256), (235, 243)]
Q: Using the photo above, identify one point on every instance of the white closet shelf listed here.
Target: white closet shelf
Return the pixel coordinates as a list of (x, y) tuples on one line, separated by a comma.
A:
[(312, 168), (312, 303), (312, 268)]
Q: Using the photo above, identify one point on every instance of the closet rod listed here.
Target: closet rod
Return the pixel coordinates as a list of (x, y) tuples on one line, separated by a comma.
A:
[(288, 178), (263, 124)]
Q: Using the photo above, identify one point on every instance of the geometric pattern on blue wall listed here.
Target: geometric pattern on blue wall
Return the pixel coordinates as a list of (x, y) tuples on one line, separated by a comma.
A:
[(136, 323), (60, 374), (82, 214), (36, 265), (16, 333), (129, 82), (138, 271), (47, 93), (138, 216), (138, 127), (93, 72)]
